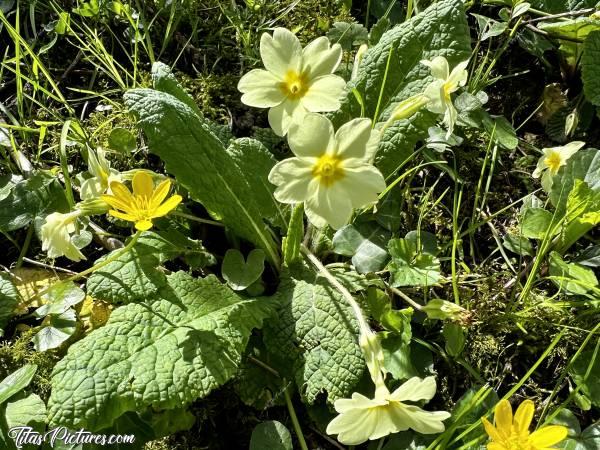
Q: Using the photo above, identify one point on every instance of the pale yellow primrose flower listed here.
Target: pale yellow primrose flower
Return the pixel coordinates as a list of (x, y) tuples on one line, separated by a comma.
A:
[(295, 80), (56, 236), (556, 157), (331, 173), (552, 160), (102, 176), (439, 91), (361, 418)]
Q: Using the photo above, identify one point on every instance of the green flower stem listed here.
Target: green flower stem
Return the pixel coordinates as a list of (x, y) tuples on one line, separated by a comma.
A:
[(99, 265), (25, 247), (197, 219), (368, 341), (407, 299), (295, 423), (364, 326), (108, 260)]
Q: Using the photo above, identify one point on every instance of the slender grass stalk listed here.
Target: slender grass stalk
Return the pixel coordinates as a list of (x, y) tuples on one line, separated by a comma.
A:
[(294, 418)]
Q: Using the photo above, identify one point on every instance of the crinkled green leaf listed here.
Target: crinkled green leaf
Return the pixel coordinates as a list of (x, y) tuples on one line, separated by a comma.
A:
[(315, 336), (590, 69), (253, 159), (200, 162), (136, 274), (24, 411), (441, 29), (9, 300), (165, 351), (164, 80), (28, 199)]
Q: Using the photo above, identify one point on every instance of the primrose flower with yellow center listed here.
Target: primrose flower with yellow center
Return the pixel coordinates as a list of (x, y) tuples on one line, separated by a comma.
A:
[(331, 173), (56, 235), (556, 157), (144, 204), (295, 81), (512, 433), (439, 91), (361, 418)]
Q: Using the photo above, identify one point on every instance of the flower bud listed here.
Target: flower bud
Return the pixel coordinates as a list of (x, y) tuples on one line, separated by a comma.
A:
[(406, 109), (444, 310)]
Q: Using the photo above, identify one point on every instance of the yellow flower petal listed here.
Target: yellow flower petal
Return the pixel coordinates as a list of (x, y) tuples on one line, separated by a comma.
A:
[(548, 436), (116, 202), (143, 225), (523, 416), (120, 191), (121, 215), (142, 184), (503, 417), (491, 430), (160, 193), (496, 446), (167, 206)]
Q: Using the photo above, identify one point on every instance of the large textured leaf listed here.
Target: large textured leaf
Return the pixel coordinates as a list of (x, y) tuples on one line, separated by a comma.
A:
[(315, 335), (165, 352), (35, 197), (201, 164), (253, 158), (590, 70), (135, 273), (441, 29), (9, 300)]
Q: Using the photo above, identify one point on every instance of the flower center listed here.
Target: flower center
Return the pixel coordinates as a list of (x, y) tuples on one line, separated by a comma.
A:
[(294, 84), (553, 161), (328, 169), (142, 207)]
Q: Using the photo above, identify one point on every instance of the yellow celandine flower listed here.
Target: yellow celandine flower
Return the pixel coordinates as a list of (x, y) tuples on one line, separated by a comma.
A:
[(295, 81), (56, 235), (331, 173), (512, 433), (439, 91), (144, 204), (361, 418)]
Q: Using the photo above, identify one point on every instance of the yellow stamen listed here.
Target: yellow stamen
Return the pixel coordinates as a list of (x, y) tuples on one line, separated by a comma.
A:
[(328, 169), (294, 84), (553, 161)]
